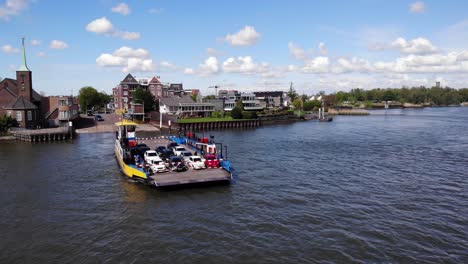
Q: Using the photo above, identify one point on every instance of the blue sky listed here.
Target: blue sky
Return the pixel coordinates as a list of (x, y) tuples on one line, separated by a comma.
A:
[(242, 45)]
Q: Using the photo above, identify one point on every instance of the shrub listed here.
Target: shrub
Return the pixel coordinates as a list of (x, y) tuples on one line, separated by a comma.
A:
[(236, 113)]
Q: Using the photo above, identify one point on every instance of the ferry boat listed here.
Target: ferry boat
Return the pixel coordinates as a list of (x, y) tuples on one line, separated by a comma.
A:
[(134, 166)]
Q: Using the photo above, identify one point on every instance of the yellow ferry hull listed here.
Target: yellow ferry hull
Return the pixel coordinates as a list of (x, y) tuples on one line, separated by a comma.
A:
[(126, 169)]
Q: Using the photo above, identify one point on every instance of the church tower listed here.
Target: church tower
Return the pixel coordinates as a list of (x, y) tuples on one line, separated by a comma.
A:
[(24, 78)]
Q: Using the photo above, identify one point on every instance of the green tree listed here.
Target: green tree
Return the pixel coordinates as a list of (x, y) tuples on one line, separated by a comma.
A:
[(144, 97), (89, 97), (6, 122), (292, 94), (297, 104), (236, 112)]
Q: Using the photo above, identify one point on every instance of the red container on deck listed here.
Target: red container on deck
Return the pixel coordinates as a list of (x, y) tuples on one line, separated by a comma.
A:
[(131, 143)]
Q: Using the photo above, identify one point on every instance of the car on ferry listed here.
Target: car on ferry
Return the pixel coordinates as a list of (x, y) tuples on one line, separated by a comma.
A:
[(166, 154), (172, 145), (178, 150), (196, 163), (185, 155), (174, 161), (211, 161), (160, 149)]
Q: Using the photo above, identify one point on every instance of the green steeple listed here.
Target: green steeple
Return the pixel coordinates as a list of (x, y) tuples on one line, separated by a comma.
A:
[(23, 67)]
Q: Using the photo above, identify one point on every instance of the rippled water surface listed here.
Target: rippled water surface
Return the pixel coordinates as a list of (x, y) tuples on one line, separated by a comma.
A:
[(390, 187)]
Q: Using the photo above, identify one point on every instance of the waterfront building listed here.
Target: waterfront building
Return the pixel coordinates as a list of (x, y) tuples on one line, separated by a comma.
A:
[(270, 99), (249, 100), (19, 100), (59, 110), (184, 106), (123, 93)]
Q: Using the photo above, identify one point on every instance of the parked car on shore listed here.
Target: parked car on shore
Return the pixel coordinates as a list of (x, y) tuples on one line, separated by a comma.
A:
[(196, 163), (172, 145), (98, 118)]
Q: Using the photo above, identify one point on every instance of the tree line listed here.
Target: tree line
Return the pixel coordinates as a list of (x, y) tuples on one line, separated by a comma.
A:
[(415, 95)]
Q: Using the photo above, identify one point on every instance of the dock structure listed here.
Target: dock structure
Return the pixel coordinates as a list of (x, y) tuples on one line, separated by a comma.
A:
[(43, 135), (219, 124), (190, 177)]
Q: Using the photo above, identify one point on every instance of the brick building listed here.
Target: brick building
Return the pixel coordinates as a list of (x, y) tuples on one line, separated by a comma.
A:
[(123, 93), (18, 98)]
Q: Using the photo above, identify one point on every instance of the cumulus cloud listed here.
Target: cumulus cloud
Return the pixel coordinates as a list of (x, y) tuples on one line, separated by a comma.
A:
[(131, 60), (8, 49), (35, 42), (352, 65), (417, 7), (189, 71), (41, 54), (416, 46), (209, 67), (297, 52), (245, 37), (58, 44), (12, 8), (167, 65), (317, 65), (214, 52), (463, 56), (436, 63), (243, 65), (322, 48), (100, 26), (121, 8), (103, 26), (156, 11)]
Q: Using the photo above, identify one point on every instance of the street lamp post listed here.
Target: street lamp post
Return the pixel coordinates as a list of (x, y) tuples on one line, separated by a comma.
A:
[(160, 114)]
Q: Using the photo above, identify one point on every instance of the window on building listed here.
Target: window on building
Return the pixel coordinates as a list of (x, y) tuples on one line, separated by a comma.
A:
[(125, 93), (9, 113), (19, 116), (29, 115)]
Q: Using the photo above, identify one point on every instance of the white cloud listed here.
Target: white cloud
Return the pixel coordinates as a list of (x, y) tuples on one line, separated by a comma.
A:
[(416, 46), (127, 52), (131, 60), (317, 65), (156, 11), (104, 26), (41, 54), (322, 48), (12, 8), (463, 56), (109, 60), (189, 71), (213, 52), (292, 68), (35, 42), (437, 63), (244, 65), (417, 7), (127, 35), (121, 8), (139, 65), (209, 67), (8, 49), (100, 26), (296, 51), (58, 44), (353, 65), (245, 37), (168, 65)]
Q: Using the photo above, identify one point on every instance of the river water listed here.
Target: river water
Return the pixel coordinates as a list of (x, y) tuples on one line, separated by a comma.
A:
[(390, 187)]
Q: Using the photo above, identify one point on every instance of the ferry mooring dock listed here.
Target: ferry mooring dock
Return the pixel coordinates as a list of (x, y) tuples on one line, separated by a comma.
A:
[(43, 135)]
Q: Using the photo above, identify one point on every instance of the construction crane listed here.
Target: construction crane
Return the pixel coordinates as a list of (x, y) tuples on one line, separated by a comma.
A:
[(216, 89)]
